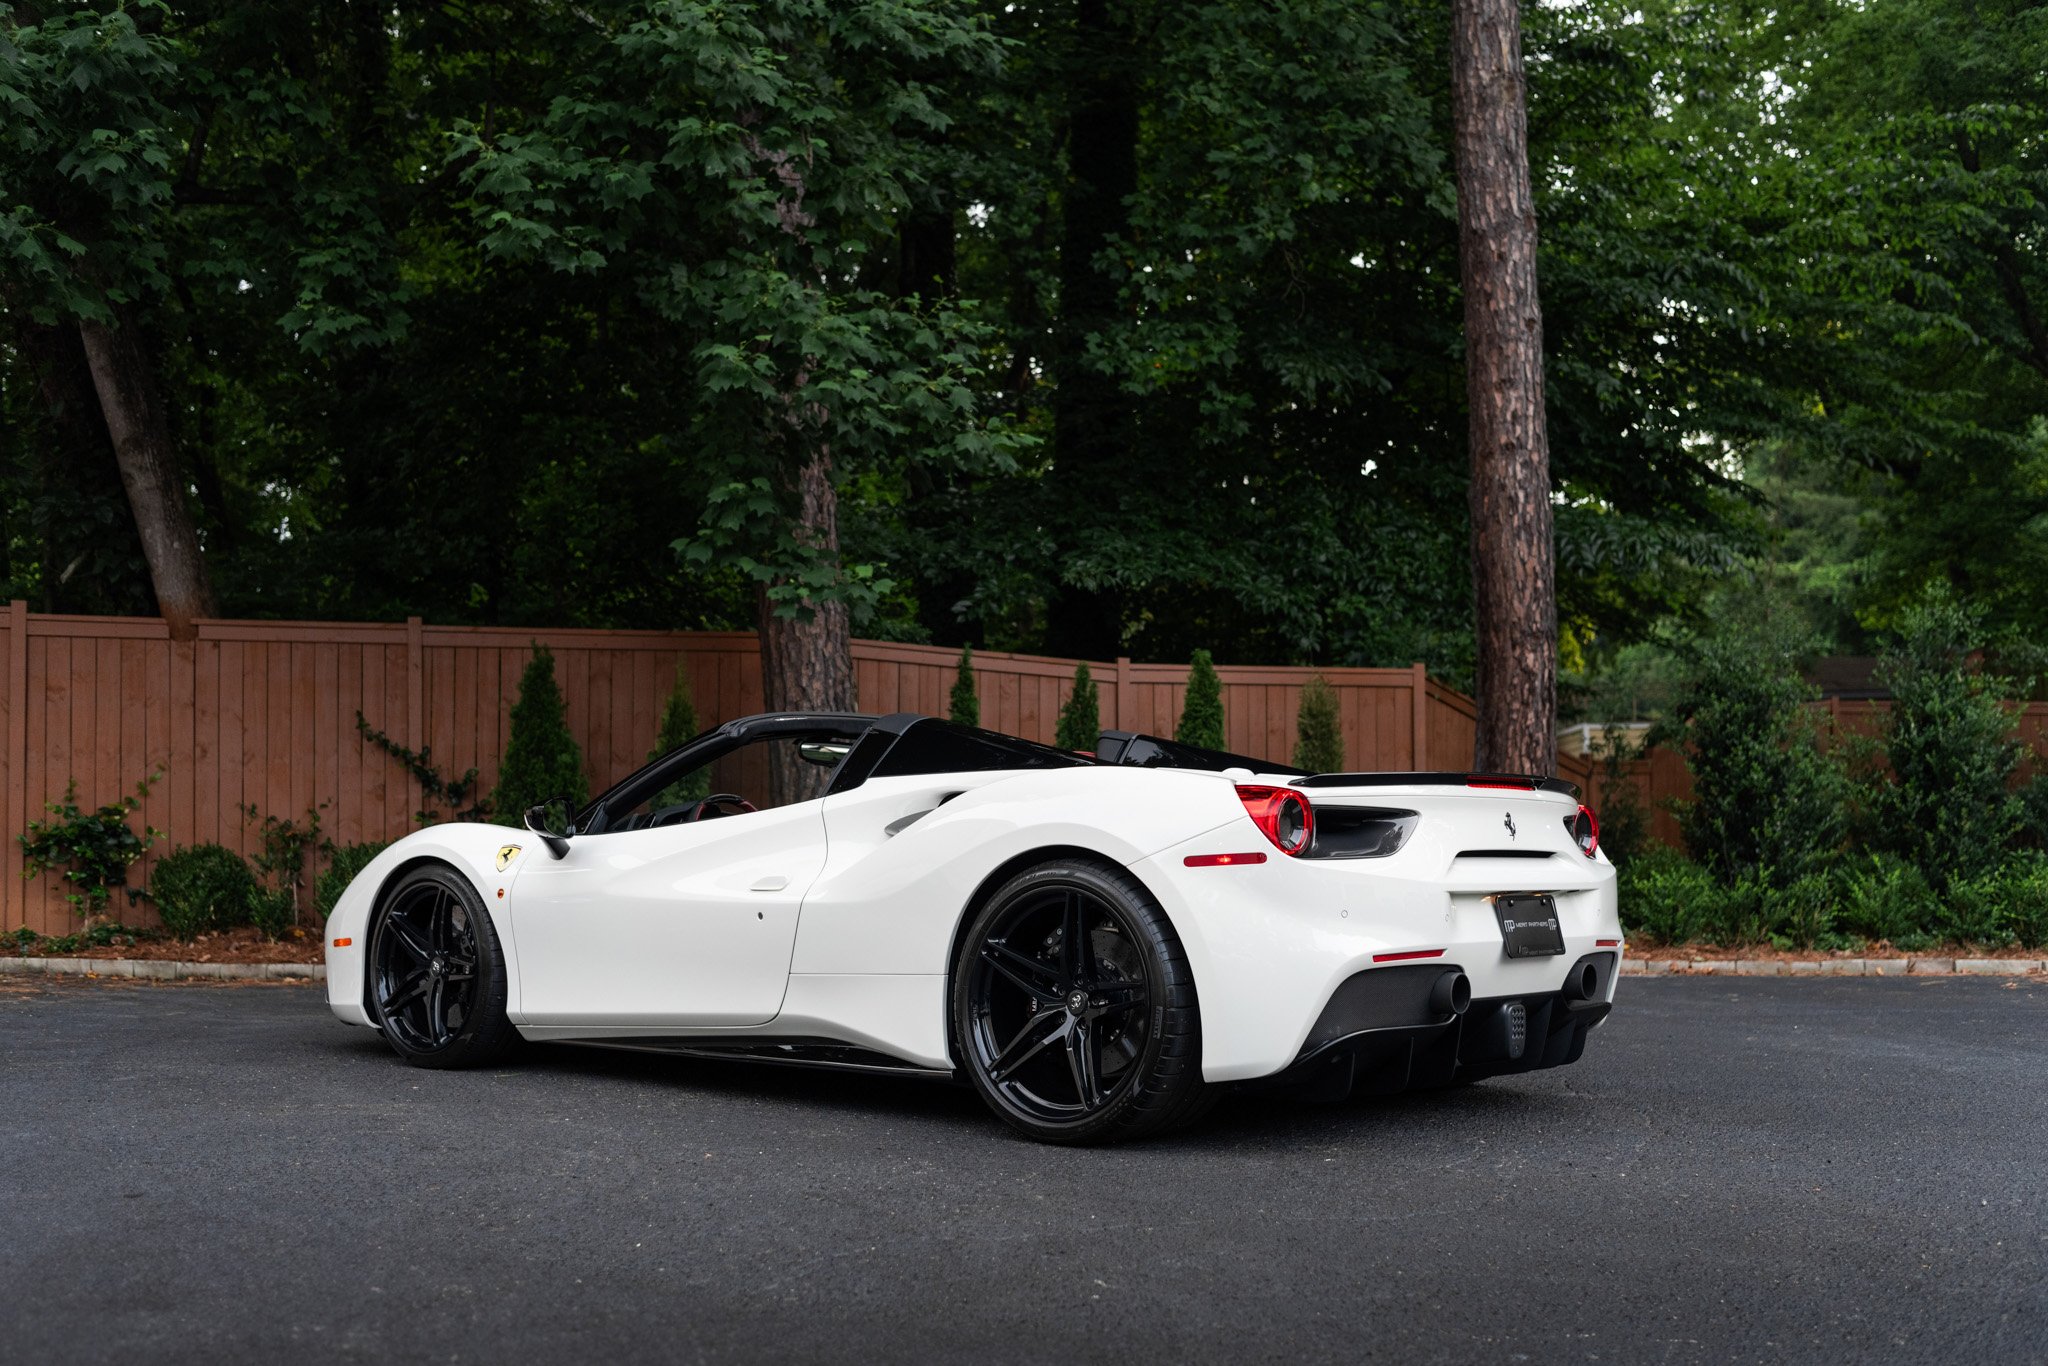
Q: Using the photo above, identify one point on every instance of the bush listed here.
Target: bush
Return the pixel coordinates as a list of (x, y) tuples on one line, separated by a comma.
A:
[(1885, 900), (1947, 805), (1319, 729), (1624, 821), (1805, 911), (542, 759), (94, 848), (1080, 726), (202, 888), (344, 862), (1666, 898), (272, 910), (1201, 714), (2024, 894), (964, 705), (1766, 801), (678, 727)]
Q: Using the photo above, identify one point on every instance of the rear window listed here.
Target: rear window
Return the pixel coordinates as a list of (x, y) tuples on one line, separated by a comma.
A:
[(942, 747)]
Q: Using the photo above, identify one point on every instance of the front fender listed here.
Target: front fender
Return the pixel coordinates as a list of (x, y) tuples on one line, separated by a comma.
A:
[(473, 850)]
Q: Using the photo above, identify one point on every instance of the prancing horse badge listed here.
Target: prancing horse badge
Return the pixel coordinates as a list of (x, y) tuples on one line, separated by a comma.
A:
[(506, 853)]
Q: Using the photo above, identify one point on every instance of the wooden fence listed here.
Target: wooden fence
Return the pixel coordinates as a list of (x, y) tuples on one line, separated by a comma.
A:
[(263, 715)]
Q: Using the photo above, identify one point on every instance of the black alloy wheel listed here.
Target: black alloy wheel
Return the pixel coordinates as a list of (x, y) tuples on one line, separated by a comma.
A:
[(1074, 1007), (437, 976)]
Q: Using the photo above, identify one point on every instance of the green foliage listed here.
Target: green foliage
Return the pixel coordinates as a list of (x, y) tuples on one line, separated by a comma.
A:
[(1201, 713), (542, 759), (344, 862), (1948, 805), (678, 727), (1319, 729), (94, 848), (436, 788), (202, 888), (964, 705), (1805, 911), (1884, 899), (1624, 821), (1665, 898), (105, 935), (274, 906), (1767, 802), (1080, 723)]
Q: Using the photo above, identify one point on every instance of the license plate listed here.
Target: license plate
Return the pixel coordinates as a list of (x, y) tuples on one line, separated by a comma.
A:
[(1528, 926)]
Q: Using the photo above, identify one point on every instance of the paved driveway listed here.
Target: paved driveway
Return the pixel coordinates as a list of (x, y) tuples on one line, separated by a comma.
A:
[(1750, 1170)]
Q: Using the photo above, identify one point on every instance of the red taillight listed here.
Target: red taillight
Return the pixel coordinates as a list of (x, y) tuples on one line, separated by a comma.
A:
[(1585, 828), (1283, 814)]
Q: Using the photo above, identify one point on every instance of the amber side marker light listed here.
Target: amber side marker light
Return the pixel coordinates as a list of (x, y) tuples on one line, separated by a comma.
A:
[(1221, 860), (343, 943)]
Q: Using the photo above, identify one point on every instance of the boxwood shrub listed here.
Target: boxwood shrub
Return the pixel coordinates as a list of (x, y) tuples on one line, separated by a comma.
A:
[(201, 888)]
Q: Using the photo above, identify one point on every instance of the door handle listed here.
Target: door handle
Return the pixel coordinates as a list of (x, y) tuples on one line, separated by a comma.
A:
[(773, 883)]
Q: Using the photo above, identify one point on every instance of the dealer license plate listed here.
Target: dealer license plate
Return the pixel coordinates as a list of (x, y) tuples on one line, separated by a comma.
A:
[(1528, 926)]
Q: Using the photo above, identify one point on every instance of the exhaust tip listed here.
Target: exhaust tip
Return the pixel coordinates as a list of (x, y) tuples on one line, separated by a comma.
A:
[(1452, 994), (1582, 983)]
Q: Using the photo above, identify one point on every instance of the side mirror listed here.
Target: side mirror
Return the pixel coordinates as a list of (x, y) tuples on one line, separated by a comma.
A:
[(824, 754), (537, 821)]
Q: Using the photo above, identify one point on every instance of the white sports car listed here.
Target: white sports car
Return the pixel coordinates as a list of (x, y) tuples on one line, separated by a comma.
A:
[(1097, 943)]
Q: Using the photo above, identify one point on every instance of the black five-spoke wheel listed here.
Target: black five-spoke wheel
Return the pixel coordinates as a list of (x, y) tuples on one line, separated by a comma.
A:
[(1075, 1009), (437, 979)]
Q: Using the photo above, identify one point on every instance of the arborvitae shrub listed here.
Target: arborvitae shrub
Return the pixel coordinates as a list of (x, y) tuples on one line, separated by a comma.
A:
[(678, 727), (202, 888), (1080, 724), (342, 866), (1319, 729), (964, 705), (1201, 715), (542, 759)]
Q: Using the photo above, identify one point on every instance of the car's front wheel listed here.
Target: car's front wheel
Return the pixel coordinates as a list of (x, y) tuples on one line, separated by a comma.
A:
[(1074, 1008), (437, 976)]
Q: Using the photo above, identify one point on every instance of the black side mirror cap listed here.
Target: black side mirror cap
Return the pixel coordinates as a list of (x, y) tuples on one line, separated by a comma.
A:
[(536, 820)]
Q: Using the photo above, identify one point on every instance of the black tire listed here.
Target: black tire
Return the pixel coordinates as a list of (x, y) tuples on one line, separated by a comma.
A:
[(1095, 1048), (436, 973)]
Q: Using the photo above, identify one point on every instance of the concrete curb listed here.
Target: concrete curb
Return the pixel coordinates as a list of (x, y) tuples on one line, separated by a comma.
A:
[(1832, 967), (158, 970)]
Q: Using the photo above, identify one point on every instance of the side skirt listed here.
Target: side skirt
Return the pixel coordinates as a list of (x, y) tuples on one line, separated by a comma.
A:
[(817, 1053)]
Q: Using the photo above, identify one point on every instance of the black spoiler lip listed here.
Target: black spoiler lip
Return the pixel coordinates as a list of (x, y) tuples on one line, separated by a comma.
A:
[(1515, 781)]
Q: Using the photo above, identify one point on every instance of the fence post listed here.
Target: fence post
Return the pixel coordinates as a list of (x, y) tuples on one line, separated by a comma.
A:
[(415, 702), (1123, 687), (16, 798), (1419, 747)]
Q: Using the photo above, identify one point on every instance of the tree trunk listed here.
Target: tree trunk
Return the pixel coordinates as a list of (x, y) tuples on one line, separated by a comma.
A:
[(1091, 413), (807, 663), (1514, 575), (149, 472)]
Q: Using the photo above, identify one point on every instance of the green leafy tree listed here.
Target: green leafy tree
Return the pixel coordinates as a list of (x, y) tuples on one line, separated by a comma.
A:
[(1947, 805), (678, 727), (542, 759), (1319, 729), (1201, 713), (1080, 723), (964, 705)]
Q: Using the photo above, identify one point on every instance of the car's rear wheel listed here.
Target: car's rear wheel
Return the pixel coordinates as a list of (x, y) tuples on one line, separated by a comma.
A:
[(437, 974), (1074, 1008)]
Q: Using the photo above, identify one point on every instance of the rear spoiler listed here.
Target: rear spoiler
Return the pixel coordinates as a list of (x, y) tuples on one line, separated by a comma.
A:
[(1516, 782), (1130, 749)]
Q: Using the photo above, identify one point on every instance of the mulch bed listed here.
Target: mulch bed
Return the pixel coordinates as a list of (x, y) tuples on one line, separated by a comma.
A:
[(1709, 953), (243, 945)]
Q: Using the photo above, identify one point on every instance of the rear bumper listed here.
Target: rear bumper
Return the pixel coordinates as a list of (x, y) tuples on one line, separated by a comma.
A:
[(1271, 944), (1378, 1034)]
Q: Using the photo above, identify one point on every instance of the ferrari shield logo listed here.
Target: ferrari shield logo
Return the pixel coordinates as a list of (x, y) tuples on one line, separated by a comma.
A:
[(506, 853)]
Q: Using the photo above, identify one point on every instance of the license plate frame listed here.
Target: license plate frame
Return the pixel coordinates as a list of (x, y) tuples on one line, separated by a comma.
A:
[(1529, 927)]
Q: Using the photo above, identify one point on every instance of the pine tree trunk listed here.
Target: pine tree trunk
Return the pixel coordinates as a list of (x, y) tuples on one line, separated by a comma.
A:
[(149, 472), (1513, 549), (807, 664)]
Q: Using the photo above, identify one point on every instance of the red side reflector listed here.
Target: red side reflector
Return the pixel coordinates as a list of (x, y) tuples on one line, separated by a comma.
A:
[(1406, 955), (1606, 943), (1221, 860), (343, 943)]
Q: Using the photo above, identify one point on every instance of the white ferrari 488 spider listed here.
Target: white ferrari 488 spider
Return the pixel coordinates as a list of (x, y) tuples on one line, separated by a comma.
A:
[(1096, 943)]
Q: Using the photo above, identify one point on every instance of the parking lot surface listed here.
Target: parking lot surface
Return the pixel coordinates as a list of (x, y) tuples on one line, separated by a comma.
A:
[(1739, 1170)]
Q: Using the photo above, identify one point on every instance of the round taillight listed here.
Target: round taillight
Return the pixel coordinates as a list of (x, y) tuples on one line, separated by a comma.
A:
[(1283, 814), (1585, 828)]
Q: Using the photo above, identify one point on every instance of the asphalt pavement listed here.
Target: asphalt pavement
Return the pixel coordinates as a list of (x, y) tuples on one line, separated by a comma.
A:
[(1738, 1170)]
